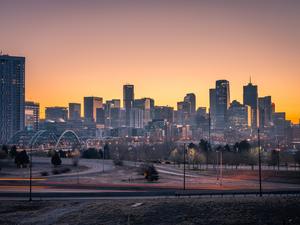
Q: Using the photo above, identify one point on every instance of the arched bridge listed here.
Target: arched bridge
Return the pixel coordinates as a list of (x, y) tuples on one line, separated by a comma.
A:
[(47, 140)]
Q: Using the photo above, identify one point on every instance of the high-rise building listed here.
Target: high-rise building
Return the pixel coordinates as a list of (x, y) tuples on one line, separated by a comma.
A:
[(32, 115), (212, 107), (222, 103), (57, 113), (239, 116), (164, 113), (280, 125), (183, 112), (191, 98), (136, 118), (128, 100), (111, 106), (74, 111), (100, 116), (114, 103), (147, 105), (265, 111), (91, 104), (250, 97), (12, 96)]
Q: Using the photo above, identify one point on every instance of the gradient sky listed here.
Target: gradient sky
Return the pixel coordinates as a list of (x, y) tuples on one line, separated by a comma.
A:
[(165, 48)]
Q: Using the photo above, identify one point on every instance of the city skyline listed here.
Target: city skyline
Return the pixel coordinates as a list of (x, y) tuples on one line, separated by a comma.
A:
[(81, 102), (165, 50)]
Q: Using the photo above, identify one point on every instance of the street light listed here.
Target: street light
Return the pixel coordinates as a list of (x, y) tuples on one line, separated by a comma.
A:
[(259, 161), (30, 175), (221, 167), (184, 152)]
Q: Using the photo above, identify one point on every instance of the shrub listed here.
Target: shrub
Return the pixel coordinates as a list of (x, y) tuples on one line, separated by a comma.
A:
[(44, 173), (118, 162), (22, 159), (55, 160), (3, 154), (149, 172), (13, 151)]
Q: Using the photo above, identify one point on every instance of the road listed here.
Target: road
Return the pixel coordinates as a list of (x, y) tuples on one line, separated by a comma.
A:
[(93, 182)]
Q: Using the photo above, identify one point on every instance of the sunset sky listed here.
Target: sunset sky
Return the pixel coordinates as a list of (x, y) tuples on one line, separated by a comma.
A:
[(165, 48)]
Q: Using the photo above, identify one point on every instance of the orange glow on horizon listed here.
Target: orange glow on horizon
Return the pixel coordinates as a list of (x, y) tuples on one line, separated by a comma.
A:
[(165, 48)]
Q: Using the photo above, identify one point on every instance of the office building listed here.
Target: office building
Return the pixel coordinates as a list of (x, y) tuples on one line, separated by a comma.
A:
[(32, 116), (239, 116), (136, 118), (128, 101), (100, 116), (164, 113), (222, 103), (147, 105), (57, 114), (191, 98), (212, 107), (74, 111), (12, 96), (250, 98), (91, 104), (265, 111), (183, 112)]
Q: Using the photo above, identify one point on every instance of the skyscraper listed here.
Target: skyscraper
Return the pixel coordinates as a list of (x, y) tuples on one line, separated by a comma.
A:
[(265, 111), (147, 105), (191, 98), (74, 111), (183, 112), (128, 100), (212, 107), (91, 104), (239, 116), (222, 103), (32, 116), (164, 113), (12, 96), (250, 98)]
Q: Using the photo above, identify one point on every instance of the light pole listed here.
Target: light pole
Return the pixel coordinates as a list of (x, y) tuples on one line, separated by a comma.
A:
[(184, 152), (209, 134), (103, 160), (259, 161), (30, 175), (221, 167)]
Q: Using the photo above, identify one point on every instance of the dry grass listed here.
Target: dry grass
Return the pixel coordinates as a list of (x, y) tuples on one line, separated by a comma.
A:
[(208, 211)]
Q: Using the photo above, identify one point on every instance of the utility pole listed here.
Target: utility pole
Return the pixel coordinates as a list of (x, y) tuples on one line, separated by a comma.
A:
[(184, 152), (30, 175), (259, 161), (103, 160), (209, 131), (221, 167)]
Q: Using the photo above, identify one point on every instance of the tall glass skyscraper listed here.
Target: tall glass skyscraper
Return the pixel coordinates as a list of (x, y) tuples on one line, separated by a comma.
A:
[(222, 103), (91, 104), (250, 98), (74, 111), (191, 98), (128, 100), (12, 96)]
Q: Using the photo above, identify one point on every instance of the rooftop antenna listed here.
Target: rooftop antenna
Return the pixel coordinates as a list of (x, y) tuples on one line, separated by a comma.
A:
[(250, 80)]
